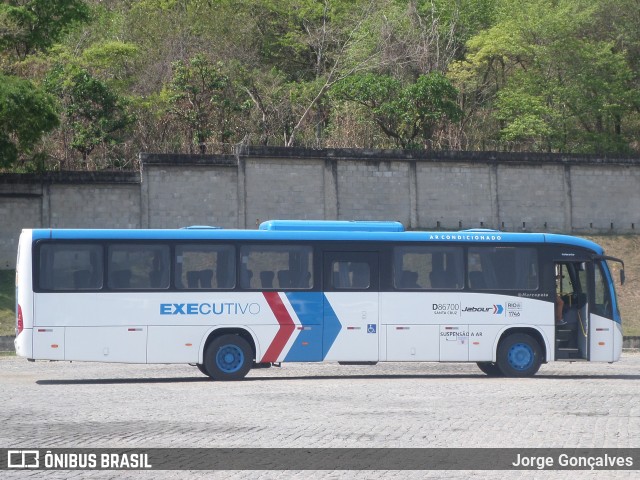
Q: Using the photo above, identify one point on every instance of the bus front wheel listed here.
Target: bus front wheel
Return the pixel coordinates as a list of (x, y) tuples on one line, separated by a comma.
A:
[(519, 355), (228, 357)]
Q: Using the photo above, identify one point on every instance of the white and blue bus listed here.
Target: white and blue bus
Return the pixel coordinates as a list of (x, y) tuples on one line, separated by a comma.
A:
[(314, 291)]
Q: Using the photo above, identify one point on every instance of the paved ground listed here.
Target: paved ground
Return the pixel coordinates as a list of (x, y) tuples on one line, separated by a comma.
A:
[(55, 405)]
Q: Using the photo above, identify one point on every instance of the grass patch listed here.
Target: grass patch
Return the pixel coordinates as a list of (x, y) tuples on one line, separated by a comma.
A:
[(7, 302)]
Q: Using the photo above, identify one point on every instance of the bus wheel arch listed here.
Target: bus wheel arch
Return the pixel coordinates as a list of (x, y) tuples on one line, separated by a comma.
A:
[(228, 354), (520, 352)]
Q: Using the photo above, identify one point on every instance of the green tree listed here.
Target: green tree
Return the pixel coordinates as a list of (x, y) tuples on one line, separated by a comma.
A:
[(28, 26), (271, 117), (202, 97), (409, 114), (551, 81), (113, 61), (26, 114), (306, 46), (92, 112)]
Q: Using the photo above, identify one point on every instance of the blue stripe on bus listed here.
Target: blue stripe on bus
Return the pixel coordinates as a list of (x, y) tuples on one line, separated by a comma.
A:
[(308, 344), (40, 234)]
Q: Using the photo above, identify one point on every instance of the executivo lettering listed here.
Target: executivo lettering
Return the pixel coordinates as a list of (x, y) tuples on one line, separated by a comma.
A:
[(218, 308)]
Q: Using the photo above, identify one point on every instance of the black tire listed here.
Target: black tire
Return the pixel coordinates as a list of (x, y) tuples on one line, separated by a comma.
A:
[(202, 369), (228, 357), (519, 355), (491, 369)]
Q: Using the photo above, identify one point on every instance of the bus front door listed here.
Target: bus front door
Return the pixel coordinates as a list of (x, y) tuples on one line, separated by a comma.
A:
[(572, 310), (602, 332), (351, 328)]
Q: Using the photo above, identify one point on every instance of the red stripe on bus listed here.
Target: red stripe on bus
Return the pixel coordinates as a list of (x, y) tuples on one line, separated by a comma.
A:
[(287, 327)]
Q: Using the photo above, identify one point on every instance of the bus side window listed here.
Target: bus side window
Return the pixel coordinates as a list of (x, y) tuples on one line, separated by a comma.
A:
[(502, 268), (283, 267), (70, 266), (138, 266), (428, 268), (351, 275), (204, 266)]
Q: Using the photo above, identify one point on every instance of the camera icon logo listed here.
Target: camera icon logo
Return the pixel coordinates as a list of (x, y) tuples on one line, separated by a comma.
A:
[(23, 459)]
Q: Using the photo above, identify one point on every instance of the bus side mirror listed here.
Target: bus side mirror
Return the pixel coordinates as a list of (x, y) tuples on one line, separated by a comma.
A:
[(613, 259)]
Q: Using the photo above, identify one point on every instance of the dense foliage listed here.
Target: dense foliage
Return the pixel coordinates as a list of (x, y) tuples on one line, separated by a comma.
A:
[(89, 84)]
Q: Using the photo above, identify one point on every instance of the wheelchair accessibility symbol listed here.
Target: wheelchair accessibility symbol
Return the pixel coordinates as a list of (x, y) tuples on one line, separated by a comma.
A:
[(371, 328)]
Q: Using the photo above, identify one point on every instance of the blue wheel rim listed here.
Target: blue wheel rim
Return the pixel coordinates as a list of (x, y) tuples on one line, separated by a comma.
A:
[(521, 356), (230, 358)]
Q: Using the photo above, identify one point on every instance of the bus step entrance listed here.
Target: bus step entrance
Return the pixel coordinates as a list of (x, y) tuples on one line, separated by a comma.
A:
[(565, 340), (568, 353)]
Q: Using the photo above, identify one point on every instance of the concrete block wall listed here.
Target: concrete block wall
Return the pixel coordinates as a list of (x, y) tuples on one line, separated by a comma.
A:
[(65, 200), (93, 206), (16, 213), (180, 196), (282, 188), (605, 199), (533, 198), (373, 190), (455, 196)]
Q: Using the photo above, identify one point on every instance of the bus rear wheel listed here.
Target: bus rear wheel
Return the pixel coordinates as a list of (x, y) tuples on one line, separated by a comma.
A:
[(228, 357), (519, 355), (490, 368)]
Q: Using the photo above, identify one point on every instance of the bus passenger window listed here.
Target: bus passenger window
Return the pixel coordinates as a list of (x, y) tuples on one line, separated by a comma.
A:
[(427, 268), (70, 266), (351, 275), (502, 268), (205, 267), (281, 267), (138, 266)]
